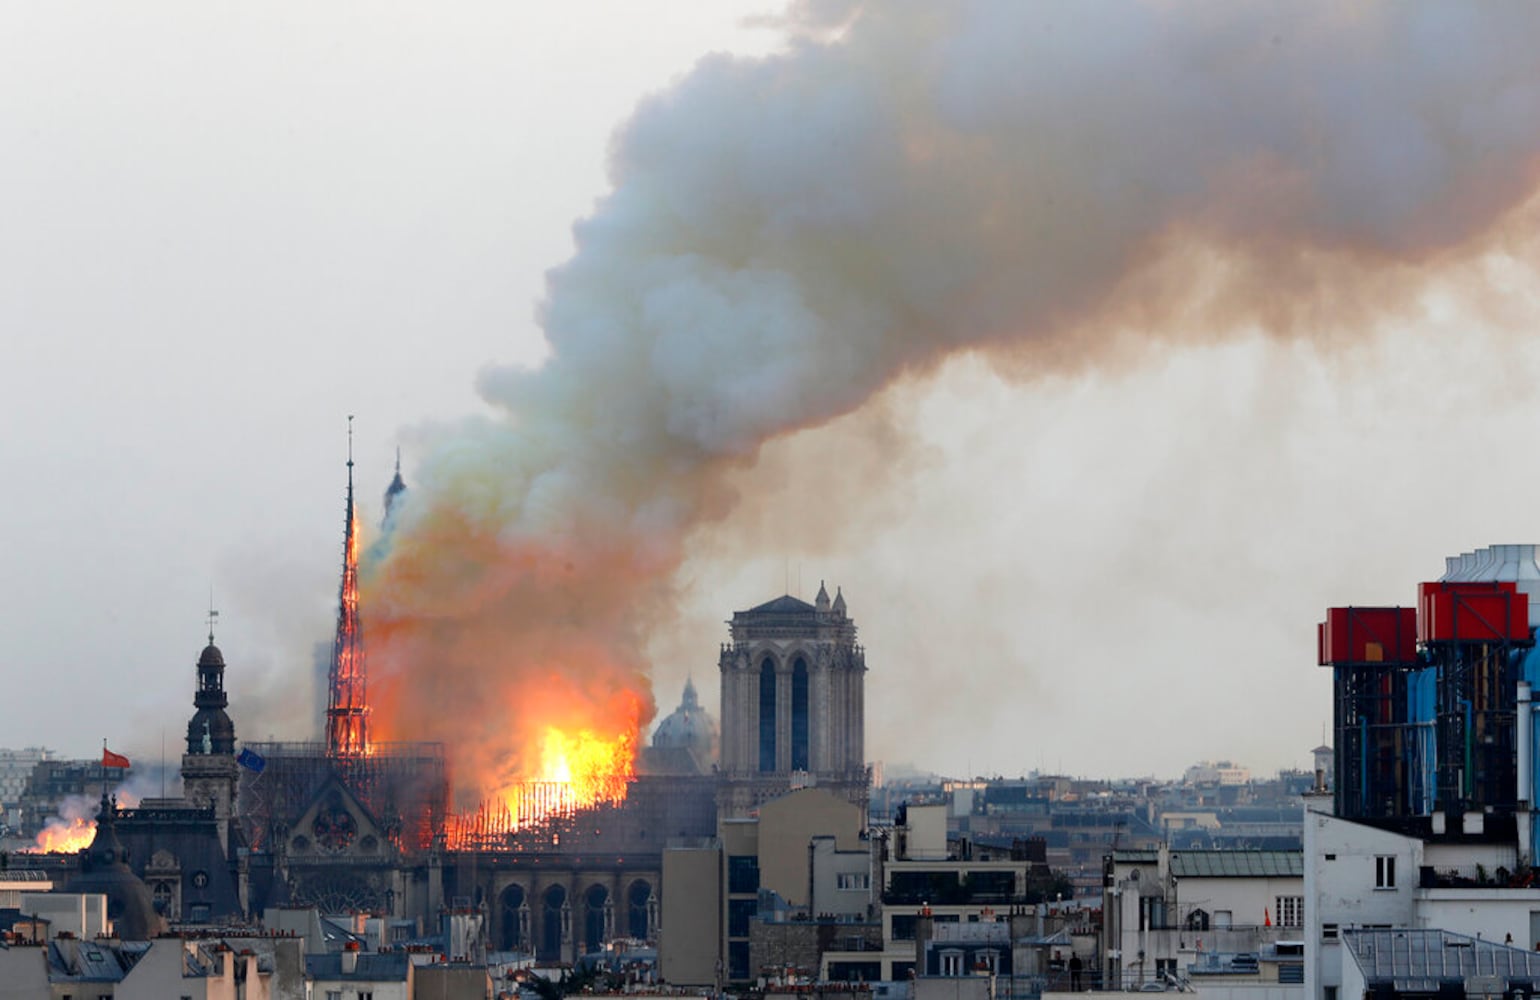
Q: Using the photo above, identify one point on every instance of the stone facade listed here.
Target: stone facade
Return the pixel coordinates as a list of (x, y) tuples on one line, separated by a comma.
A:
[(793, 704)]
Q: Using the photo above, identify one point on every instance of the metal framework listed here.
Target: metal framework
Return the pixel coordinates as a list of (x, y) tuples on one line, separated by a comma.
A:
[(1376, 745), (1475, 723), (405, 786)]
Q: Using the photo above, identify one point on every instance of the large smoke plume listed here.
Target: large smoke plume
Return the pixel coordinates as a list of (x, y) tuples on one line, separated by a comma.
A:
[(1054, 185)]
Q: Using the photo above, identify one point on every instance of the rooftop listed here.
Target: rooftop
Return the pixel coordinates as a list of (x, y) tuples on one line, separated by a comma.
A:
[(1419, 960)]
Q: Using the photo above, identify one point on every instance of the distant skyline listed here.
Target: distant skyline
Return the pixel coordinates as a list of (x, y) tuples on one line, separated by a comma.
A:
[(222, 233)]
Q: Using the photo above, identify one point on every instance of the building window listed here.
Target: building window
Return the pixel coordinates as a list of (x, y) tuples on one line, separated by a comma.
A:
[(1291, 910), (799, 715), (988, 960), (853, 880), (742, 873), (1385, 871), (903, 927), (333, 995), (366, 995), (1328, 932), (951, 963), (1331, 993), (738, 960), (739, 913), (767, 715)]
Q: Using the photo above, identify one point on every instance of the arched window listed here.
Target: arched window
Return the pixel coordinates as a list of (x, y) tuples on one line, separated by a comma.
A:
[(799, 715), (550, 923), (594, 901), (638, 898), (767, 715), (510, 935)]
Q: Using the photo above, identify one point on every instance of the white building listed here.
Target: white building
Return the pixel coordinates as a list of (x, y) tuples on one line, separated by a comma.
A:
[(1458, 874), (1196, 918)]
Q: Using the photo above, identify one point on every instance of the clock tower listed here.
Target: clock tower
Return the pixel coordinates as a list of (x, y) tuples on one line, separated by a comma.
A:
[(209, 771)]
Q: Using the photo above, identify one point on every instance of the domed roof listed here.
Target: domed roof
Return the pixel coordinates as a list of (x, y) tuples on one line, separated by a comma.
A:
[(688, 726), (211, 656), (105, 870)]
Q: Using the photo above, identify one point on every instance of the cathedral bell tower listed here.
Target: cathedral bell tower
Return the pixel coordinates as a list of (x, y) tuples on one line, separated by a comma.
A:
[(793, 704), (209, 771)]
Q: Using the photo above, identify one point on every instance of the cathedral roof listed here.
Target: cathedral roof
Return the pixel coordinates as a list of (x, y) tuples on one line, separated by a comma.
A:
[(785, 604), (211, 656)]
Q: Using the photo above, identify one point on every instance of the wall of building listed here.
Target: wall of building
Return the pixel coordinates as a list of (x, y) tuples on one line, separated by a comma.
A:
[(81, 914), (24, 970), (1248, 901), (924, 834), (447, 982), (1492, 914), (787, 826), (842, 880), (689, 939), (796, 948), (1340, 871)]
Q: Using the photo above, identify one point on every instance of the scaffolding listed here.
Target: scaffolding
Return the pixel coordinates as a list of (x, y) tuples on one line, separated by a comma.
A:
[(405, 787), (1373, 656)]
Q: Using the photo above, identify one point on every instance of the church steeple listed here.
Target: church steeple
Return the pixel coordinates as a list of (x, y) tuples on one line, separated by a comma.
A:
[(347, 710), (210, 731), (394, 490)]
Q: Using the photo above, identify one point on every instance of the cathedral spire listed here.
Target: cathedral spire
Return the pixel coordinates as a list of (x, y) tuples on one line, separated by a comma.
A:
[(394, 490), (347, 710)]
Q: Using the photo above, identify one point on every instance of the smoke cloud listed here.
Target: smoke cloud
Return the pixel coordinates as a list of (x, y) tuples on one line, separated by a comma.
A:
[(1051, 186)]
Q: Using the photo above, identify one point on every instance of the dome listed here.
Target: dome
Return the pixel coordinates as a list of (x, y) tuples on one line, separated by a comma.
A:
[(105, 870), (211, 657), (688, 726), (211, 731)]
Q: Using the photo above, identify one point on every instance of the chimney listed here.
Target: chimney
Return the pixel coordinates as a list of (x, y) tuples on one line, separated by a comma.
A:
[(350, 958)]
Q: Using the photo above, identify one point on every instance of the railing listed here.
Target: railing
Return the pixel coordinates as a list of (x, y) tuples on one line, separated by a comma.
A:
[(1477, 877)]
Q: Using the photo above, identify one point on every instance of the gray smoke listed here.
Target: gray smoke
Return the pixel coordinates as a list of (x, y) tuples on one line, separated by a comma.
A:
[(1053, 185)]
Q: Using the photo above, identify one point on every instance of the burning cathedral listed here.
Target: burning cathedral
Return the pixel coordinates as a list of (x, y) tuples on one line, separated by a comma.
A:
[(351, 824)]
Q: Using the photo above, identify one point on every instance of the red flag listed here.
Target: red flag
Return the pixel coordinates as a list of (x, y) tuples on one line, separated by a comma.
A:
[(110, 759), (1267, 917)]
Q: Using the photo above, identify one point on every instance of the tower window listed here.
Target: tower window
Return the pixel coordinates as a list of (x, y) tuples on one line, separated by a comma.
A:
[(799, 755), (767, 715)]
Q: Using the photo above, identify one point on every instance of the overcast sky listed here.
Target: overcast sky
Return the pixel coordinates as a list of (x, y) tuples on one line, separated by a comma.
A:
[(223, 229)]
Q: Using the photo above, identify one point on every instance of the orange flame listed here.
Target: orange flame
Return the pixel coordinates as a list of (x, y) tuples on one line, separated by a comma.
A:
[(75, 827), (347, 714), (558, 771), (64, 836)]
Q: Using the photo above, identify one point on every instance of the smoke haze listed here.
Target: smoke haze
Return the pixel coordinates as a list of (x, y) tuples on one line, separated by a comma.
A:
[(1051, 187)]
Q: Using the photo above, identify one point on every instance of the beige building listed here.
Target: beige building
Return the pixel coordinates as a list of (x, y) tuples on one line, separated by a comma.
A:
[(803, 859)]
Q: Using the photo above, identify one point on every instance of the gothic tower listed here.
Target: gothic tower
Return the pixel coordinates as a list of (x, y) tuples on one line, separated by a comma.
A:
[(793, 704), (209, 771), (347, 708)]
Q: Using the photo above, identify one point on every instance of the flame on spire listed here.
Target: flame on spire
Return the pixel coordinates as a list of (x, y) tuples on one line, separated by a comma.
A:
[(347, 712)]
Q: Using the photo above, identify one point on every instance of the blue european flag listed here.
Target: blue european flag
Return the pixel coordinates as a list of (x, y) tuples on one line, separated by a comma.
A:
[(251, 760)]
